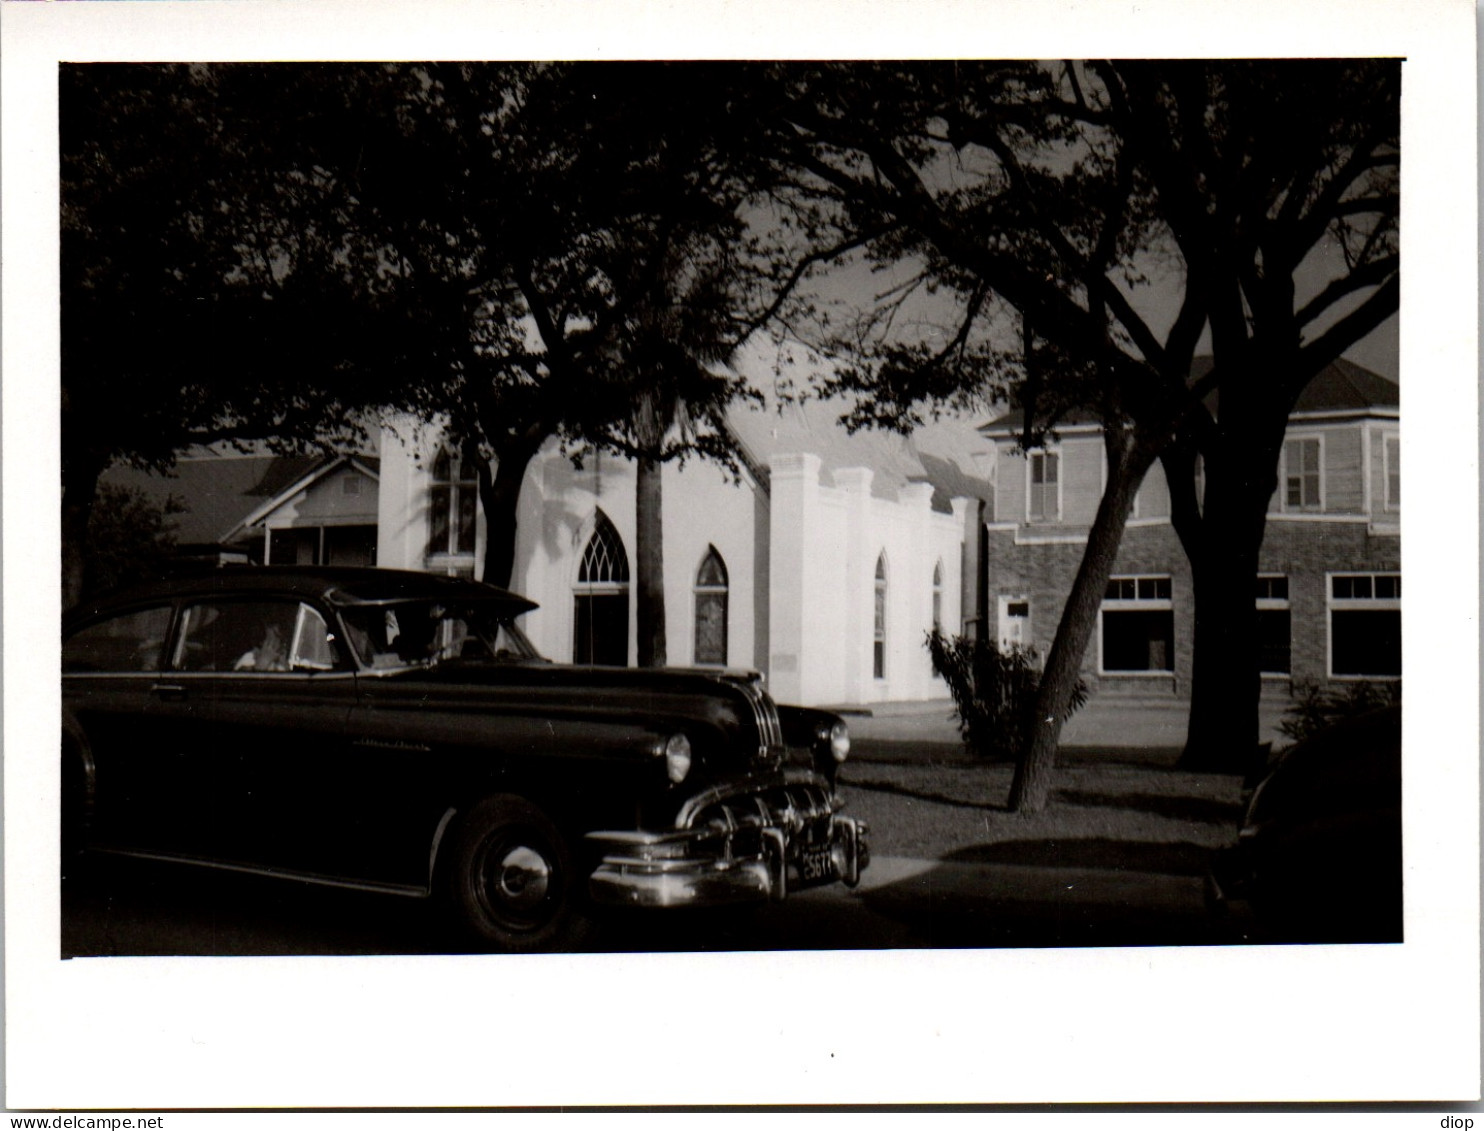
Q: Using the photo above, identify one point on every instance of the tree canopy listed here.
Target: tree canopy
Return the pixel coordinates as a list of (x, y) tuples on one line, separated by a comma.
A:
[(515, 249), (1067, 196)]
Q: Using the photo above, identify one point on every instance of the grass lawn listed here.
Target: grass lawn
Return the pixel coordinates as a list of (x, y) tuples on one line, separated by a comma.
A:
[(1104, 812)]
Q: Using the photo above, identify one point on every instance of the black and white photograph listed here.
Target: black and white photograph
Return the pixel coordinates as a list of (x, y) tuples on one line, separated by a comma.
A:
[(563, 547)]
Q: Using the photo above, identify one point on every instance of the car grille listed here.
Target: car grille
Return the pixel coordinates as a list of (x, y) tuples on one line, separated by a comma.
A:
[(792, 806), (765, 718)]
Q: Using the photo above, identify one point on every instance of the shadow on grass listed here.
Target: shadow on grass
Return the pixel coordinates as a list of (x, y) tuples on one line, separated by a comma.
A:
[(1171, 859), (1199, 810), (926, 795), (1205, 810)]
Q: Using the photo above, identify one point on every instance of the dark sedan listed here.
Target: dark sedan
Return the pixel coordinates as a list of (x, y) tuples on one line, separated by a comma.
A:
[(396, 732), (1319, 852)]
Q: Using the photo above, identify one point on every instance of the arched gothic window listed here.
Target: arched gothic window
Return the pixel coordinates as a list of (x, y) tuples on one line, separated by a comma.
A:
[(601, 599), (604, 562), (711, 609), (453, 502), (878, 646), (938, 597)]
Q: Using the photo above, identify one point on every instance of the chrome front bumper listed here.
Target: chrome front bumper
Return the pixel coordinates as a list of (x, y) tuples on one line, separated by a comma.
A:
[(741, 847)]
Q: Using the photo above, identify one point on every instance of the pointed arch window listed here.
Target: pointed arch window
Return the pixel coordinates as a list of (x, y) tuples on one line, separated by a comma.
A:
[(711, 609), (878, 643), (601, 599), (604, 562), (938, 597), (453, 503)]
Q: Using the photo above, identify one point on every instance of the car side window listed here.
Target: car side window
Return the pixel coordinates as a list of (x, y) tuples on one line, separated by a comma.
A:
[(314, 644), (132, 642), (252, 636)]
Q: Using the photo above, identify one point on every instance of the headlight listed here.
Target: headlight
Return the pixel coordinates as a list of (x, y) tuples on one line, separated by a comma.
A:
[(840, 741), (677, 757)]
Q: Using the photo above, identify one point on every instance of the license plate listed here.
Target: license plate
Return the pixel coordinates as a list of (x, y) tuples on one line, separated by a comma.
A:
[(815, 863)]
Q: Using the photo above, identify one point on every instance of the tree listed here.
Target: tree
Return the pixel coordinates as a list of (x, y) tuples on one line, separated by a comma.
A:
[(204, 271), (481, 244), (678, 340), (129, 537), (1056, 191), (1307, 160), (586, 272)]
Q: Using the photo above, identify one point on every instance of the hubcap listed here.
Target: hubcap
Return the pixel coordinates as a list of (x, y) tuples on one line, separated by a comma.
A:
[(522, 878)]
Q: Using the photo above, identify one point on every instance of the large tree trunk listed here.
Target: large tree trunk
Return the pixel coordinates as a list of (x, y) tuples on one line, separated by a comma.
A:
[(650, 551), (1226, 684), (499, 498), (1224, 689), (1032, 785)]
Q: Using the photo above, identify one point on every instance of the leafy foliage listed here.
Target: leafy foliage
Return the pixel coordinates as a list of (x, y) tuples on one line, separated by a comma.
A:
[(516, 250), (1313, 709), (1045, 197), (994, 692), (131, 536)]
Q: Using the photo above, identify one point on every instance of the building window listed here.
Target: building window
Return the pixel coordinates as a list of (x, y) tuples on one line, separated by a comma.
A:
[(1043, 492), (454, 499), (350, 486), (878, 642), (1302, 481), (1365, 625), (711, 609), (1014, 623), (1274, 625), (938, 597), (1392, 453), (1138, 625), (601, 599)]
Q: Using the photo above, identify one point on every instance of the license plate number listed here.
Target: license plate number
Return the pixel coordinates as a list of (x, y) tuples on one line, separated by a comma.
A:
[(815, 863)]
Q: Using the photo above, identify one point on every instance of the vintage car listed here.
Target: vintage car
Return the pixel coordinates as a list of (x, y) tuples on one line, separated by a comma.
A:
[(1318, 855), (396, 732)]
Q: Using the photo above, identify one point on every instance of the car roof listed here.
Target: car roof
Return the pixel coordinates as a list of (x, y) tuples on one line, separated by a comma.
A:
[(340, 585)]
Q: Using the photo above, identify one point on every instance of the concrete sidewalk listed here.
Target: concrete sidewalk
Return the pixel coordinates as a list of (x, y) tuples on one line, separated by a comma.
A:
[(1106, 722)]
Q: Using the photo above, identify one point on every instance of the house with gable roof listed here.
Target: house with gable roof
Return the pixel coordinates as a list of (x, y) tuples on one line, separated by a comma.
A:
[(257, 506), (1329, 590)]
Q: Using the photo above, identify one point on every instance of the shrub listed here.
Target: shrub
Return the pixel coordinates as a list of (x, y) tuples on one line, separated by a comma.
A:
[(994, 692), (129, 537), (1314, 709)]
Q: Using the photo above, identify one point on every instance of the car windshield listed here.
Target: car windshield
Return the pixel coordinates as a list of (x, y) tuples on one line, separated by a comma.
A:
[(421, 633)]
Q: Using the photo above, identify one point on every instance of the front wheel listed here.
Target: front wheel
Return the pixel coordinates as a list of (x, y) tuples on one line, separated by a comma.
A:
[(509, 878)]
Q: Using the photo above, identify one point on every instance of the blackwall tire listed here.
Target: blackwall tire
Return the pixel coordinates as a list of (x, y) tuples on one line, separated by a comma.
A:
[(508, 878)]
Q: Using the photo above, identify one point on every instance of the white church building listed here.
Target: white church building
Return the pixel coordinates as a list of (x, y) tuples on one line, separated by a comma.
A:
[(823, 563)]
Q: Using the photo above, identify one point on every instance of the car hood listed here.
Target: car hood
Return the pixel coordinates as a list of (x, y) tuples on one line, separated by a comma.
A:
[(727, 714)]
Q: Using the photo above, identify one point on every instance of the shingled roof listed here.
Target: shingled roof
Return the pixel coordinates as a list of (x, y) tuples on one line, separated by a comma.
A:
[(1341, 386), (219, 490)]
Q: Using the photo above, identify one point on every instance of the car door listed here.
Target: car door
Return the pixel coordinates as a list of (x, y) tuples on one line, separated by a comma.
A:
[(266, 691), (113, 690)]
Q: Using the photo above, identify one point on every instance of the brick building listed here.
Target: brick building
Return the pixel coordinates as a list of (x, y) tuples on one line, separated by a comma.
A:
[(1329, 590)]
